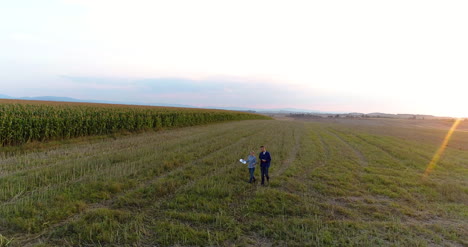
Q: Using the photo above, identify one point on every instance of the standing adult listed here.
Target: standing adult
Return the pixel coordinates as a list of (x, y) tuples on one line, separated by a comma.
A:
[(251, 161), (265, 160)]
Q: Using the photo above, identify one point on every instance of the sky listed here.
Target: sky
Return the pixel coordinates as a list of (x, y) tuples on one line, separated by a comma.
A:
[(341, 56)]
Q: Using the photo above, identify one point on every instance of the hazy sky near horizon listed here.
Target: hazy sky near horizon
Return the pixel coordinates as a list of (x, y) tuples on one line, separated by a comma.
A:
[(348, 56)]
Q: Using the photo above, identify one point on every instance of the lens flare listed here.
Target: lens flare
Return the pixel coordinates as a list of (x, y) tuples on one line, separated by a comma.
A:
[(441, 149)]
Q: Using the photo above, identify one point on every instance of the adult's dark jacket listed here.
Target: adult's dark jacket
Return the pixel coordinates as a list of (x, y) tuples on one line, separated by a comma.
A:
[(264, 156)]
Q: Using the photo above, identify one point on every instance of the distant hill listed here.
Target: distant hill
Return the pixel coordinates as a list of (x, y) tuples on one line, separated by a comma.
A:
[(53, 98), (364, 115), (3, 96), (293, 111), (68, 99), (379, 114), (277, 110)]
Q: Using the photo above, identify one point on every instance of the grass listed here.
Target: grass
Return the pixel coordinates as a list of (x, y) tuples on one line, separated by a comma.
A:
[(332, 184)]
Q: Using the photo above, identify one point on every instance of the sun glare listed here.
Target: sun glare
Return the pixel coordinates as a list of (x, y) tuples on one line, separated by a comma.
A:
[(441, 149)]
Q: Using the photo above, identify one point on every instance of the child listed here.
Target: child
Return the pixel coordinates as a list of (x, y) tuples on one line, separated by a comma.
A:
[(251, 161)]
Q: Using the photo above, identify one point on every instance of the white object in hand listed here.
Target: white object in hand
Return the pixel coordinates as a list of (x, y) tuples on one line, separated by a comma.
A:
[(243, 161)]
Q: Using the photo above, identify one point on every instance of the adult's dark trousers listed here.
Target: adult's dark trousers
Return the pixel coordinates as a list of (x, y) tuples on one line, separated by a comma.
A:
[(264, 173)]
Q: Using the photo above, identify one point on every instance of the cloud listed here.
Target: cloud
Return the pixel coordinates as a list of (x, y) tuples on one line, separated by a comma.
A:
[(180, 85), (356, 55), (213, 91), (27, 38), (96, 83)]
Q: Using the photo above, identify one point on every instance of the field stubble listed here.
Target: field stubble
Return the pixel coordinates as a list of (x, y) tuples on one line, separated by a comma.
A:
[(332, 184)]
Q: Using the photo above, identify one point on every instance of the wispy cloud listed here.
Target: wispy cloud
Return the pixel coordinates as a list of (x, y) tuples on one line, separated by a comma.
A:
[(212, 92), (78, 82), (178, 85)]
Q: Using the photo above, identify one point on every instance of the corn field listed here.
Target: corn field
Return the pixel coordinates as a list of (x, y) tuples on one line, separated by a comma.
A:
[(22, 122)]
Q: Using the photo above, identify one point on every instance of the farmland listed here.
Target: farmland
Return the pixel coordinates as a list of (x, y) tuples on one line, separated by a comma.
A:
[(25, 121), (333, 183)]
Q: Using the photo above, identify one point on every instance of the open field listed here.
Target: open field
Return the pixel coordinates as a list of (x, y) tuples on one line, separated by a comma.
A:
[(332, 184), (419, 131)]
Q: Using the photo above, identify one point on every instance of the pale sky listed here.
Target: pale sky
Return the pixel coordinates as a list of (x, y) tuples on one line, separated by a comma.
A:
[(347, 56)]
